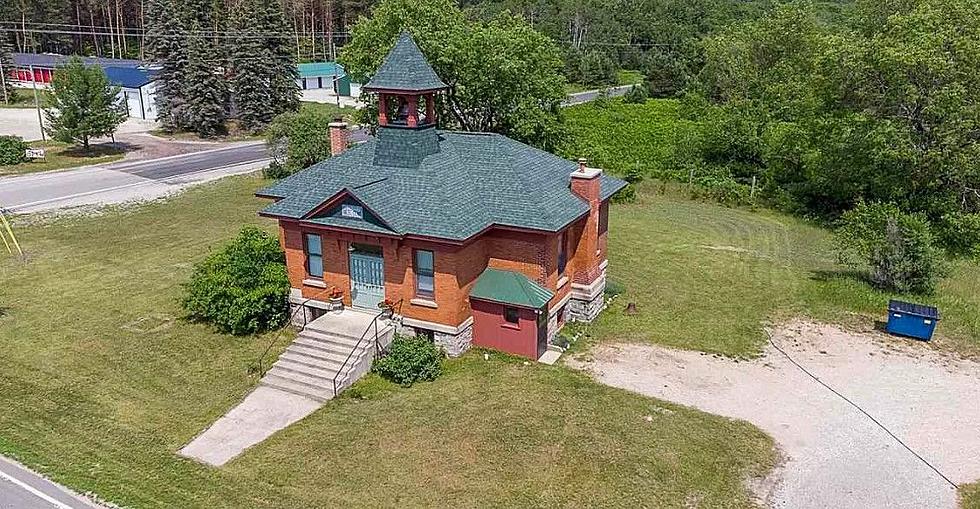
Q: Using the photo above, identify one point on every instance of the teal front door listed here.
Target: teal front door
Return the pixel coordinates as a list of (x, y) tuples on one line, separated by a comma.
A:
[(367, 276)]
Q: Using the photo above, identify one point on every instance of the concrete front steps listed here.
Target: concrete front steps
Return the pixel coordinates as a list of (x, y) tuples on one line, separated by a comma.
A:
[(318, 354)]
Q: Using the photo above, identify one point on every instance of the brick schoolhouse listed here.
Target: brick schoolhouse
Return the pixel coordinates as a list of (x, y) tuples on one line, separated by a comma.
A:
[(476, 238)]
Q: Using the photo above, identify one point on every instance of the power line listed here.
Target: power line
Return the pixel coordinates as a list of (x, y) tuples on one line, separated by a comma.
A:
[(183, 34), (29, 26)]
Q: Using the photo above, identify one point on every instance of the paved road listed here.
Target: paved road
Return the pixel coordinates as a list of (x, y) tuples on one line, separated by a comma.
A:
[(126, 181), (22, 489), (590, 95)]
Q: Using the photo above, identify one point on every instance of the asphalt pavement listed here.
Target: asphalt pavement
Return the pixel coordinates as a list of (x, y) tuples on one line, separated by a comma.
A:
[(126, 181), (591, 95), (22, 489)]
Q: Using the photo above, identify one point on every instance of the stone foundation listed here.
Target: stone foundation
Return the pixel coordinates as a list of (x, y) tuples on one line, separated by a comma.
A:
[(454, 342), (587, 301)]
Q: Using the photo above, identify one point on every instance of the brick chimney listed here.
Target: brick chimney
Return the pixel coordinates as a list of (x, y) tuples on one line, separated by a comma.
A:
[(588, 256), (339, 137)]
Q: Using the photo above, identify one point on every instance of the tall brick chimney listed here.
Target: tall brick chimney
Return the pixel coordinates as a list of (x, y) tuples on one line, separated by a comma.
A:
[(339, 137), (588, 256)]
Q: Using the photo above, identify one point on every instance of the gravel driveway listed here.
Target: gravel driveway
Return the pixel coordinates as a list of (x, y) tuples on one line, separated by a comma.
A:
[(835, 455)]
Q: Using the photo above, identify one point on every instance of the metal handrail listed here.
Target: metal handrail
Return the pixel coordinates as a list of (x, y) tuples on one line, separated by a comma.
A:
[(278, 336), (377, 346)]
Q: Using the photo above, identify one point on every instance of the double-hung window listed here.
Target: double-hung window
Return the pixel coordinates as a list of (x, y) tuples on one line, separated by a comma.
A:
[(425, 274), (562, 253), (314, 255)]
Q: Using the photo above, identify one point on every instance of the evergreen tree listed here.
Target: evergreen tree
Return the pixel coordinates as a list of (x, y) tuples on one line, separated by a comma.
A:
[(166, 47), (251, 64), (203, 84), (283, 73), (7, 64), (84, 105), (204, 89)]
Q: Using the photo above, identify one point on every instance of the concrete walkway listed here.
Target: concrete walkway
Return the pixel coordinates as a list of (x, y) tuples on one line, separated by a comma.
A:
[(835, 455), (262, 413)]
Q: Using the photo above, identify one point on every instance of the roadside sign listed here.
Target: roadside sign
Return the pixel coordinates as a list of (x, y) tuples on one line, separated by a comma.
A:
[(34, 153)]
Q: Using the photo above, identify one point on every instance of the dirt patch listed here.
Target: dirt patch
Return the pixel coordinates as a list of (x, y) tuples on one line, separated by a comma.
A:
[(835, 455)]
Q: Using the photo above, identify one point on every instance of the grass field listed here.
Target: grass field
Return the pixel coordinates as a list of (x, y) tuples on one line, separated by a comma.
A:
[(707, 277), (102, 383), (614, 135), (24, 98), (970, 496), (61, 156)]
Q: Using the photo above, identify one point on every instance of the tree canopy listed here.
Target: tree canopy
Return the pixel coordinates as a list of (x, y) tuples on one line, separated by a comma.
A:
[(888, 111), (503, 75), (83, 104)]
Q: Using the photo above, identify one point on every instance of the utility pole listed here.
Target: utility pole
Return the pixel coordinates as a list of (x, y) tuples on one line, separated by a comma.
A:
[(3, 82), (37, 103)]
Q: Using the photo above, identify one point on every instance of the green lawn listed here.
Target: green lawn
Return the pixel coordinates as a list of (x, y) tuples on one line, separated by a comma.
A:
[(24, 98), (706, 277), (970, 496), (102, 383), (61, 156)]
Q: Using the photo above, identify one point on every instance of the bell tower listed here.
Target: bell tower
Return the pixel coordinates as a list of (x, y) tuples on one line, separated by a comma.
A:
[(406, 86)]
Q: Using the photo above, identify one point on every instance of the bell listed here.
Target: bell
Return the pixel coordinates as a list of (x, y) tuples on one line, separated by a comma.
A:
[(631, 308)]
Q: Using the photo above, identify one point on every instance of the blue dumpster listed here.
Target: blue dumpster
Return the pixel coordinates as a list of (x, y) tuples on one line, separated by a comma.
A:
[(912, 320)]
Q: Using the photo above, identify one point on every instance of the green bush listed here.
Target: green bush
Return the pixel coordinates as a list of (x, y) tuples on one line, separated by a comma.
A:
[(960, 234), (896, 247), (410, 360), (637, 94), (634, 175), (243, 288), (276, 170), (12, 150), (724, 190)]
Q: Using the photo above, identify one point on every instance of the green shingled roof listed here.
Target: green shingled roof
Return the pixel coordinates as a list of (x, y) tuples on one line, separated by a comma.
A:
[(444, 184), (405, 68), (508, 287)]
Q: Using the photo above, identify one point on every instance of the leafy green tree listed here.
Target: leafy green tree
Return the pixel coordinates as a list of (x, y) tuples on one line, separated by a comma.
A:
[(896, 247), (827, 117), (83, 104), (503, 75), (166, 47), (298, 140)]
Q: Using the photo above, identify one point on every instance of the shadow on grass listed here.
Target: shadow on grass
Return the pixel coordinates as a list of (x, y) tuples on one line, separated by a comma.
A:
[(825, 276), (99, 150)]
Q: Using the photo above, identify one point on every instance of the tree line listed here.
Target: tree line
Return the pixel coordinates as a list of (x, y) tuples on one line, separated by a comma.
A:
[(215, 64), (117, 28)]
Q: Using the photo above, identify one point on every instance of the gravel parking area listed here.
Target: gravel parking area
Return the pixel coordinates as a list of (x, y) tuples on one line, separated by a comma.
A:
[(835, 454)]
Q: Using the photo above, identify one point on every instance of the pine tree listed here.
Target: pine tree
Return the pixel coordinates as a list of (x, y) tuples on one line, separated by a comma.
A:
[(251, 65), (84, 104), (7, 65), (166, 47), (283, 73), (204, 84), (204, 89)]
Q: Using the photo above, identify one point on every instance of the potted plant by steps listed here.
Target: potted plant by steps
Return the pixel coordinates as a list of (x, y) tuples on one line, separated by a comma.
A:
[(336, 299), (387, 308)]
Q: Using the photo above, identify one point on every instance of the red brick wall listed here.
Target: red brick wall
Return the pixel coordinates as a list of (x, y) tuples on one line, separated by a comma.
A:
[(457, 267), (590, 247), (491, 330)]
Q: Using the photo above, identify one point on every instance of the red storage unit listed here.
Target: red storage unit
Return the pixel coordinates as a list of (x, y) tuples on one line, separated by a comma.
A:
[(510, 313)]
